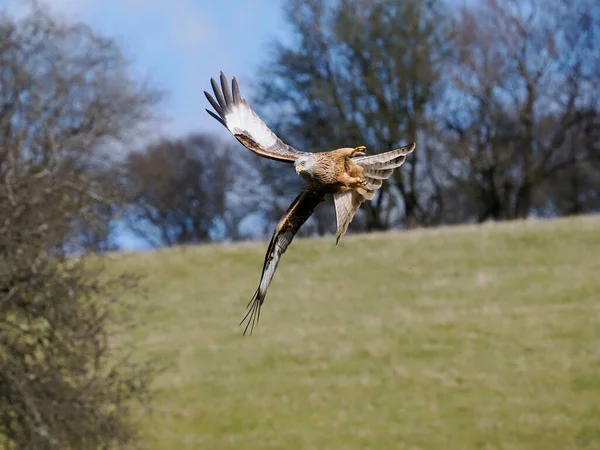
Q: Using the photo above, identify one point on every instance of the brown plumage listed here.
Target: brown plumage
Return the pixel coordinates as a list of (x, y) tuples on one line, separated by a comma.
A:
[(346, 173)]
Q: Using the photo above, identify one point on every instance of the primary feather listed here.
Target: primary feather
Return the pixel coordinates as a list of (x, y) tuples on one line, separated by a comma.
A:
[(235, 114), (298, 213)]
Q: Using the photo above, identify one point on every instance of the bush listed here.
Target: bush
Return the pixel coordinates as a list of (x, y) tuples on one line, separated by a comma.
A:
[(65, 97)]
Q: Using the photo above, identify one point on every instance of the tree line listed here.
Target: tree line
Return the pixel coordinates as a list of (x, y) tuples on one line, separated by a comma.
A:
[(502, 98)]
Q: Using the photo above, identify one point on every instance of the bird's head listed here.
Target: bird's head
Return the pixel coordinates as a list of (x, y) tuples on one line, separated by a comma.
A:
[(304, 165)]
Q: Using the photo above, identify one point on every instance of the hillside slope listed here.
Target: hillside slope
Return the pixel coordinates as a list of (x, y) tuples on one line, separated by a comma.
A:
[(469, 337)]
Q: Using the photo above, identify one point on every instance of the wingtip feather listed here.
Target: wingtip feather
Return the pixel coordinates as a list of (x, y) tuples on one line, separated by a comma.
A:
[(253, 313), (216, 117), (213, 103), (225, 88), (237, 98), (408, 148), (218, 93)]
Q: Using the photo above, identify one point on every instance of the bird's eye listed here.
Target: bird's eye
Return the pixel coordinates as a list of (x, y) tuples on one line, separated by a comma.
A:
[(303, 163)]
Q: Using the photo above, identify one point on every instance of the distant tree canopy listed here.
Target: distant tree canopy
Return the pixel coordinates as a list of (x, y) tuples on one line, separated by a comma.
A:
[(364, 73), (188, 191), (65, 96), (502, 98), (527, 108)]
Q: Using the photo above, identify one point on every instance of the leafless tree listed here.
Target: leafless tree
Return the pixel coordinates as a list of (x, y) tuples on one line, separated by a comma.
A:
[(526, 77), (65, 97), (190, 190), (365, 73), (576, 188)]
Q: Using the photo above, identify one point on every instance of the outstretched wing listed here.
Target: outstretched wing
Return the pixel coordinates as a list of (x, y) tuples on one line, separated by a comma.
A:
[(236, 115), (298, 212), (376, 169), (382, 165)]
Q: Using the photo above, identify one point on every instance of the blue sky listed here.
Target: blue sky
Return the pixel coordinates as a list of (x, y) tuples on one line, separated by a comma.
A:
[(180, 44)]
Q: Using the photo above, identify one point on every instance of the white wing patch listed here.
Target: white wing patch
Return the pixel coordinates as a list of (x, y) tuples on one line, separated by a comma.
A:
[(235, 114), (240, 119)]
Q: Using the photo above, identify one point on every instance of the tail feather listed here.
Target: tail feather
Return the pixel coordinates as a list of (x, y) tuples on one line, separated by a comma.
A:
[(346, 205)]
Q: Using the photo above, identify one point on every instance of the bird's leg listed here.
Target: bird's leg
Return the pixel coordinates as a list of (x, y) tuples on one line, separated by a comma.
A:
[(353, 182), (350, 152), (352, 176)]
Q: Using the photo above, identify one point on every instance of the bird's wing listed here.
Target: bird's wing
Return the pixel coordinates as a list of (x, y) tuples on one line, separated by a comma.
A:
[(236, 115), (298, 212), (384, 161), (346, 205), (376, 169)]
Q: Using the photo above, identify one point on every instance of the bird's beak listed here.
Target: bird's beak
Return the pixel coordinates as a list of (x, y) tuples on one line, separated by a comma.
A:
[(298, 169)]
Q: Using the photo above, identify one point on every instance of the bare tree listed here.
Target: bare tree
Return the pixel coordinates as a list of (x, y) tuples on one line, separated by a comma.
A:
[(575, 189), (525, 80), (190, 190), (65, 94), (365, 73)]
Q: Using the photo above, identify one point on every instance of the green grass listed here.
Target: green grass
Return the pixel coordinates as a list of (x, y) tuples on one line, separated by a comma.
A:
[(478, 337)]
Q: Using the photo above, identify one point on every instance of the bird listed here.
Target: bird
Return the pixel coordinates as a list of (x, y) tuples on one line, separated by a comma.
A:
[(348, 174)]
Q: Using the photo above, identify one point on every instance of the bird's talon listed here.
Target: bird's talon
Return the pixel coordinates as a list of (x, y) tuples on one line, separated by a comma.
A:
[(360, 151)]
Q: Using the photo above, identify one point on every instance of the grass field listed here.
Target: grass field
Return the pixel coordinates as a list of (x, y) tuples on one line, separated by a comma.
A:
[(478, 337)]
